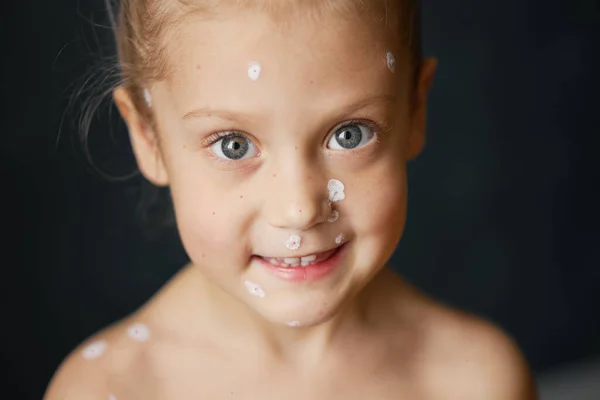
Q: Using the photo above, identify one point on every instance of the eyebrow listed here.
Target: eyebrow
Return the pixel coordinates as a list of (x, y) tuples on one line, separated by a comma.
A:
[(207, 112)]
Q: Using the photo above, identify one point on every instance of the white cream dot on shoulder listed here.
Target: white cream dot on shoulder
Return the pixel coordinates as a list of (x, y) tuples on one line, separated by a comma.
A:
[(138, 332), (94, 349)]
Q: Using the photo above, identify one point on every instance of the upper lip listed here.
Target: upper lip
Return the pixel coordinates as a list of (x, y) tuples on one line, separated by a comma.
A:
[(317, 253)]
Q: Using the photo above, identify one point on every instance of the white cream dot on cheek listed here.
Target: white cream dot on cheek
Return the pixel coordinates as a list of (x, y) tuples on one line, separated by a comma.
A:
[(138, 332), (94, 350), (335, 214), (390, 61), (255, 289), (339, 238), (293, 242), (336, 190), (112, 397), (254, 71)]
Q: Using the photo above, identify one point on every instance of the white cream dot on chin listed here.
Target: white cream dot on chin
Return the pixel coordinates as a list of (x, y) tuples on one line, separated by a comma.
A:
[(94, 349), (390, 60), (339, 238), (335, 215), (255, 289), (293, 323), (138, 332), (112, 397), (254, 70), (293, 242), (336, 190)]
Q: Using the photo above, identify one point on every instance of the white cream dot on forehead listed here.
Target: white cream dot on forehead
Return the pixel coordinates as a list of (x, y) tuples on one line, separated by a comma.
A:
[(390, 60), (254, 70), (255, 289), (94, 350), (293, 242), (138, 332), (336, 190)]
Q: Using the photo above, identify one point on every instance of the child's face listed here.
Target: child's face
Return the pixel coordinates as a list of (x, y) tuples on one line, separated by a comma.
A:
[(242, 201)]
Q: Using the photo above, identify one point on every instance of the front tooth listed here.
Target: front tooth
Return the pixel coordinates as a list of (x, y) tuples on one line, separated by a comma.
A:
[(294, 262), (273, 261), (310, 258), (305, 263)]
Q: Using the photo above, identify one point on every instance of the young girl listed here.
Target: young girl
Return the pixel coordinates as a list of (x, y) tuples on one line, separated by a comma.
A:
[(282, 129)]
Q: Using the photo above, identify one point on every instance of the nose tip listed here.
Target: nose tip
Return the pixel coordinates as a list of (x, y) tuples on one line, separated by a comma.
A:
[(301, 215)]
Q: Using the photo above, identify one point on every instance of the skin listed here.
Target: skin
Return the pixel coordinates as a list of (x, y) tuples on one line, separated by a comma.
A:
[(365, 333)]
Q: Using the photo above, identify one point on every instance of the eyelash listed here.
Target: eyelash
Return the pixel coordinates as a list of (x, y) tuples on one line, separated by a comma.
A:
[(378, 129)]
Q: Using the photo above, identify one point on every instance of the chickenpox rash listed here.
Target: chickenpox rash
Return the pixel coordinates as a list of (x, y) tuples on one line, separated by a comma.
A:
[(335, 215), (255, 289), (94, 350), (254, 71), (390, 61), (336, 190), (138, 332), (293, 242)]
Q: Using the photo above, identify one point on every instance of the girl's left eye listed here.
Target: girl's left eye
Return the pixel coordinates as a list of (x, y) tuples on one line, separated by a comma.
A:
[(234, 147), (351, 136)]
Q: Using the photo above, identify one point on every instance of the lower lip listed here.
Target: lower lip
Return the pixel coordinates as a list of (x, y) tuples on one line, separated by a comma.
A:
[(310, 273)]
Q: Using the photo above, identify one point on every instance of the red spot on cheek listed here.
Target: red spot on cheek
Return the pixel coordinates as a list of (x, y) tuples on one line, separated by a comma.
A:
[(213, 213), (198, 66)]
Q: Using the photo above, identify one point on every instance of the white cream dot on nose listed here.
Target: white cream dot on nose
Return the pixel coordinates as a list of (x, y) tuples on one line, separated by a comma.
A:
[(336, 190)]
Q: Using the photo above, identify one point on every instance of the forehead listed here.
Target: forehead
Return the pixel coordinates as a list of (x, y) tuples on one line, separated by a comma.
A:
[(301, 59)]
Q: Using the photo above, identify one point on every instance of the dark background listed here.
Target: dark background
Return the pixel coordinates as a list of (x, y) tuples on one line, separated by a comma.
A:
[(503, 205)]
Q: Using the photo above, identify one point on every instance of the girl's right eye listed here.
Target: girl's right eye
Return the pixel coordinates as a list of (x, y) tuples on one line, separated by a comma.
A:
[(233, 146)]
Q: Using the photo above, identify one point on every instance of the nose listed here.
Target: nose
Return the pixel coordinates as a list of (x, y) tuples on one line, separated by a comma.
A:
[(297, 199)]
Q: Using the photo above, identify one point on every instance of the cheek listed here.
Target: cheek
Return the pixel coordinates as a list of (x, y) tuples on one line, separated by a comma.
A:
[(211, 219), (379, 208)]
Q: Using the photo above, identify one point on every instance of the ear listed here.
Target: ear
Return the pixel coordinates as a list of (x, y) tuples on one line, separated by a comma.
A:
[(416, 138), (144, 140)]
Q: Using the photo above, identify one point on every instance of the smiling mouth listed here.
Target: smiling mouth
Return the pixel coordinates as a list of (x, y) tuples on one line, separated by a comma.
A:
[(304, 261)]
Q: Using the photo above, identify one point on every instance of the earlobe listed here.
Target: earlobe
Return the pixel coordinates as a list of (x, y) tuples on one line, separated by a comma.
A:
[(416, 140), (144, 140)]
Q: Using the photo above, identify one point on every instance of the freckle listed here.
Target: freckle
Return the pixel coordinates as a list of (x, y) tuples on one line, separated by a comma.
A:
[(241, 197), (203, 255), (274, 175), (311, 82), (296, 147), (213, 213), (198, 66), (309, 178), (299, 210)]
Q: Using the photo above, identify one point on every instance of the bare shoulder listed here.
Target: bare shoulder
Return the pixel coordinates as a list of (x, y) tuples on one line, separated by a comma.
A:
[(473, 358), (99, 367)]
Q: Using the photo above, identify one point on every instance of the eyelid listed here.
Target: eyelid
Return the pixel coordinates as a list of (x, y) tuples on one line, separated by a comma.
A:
[(215, 137)]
